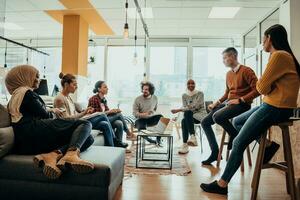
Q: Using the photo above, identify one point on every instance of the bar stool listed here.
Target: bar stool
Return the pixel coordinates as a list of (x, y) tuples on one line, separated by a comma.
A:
[(222, 144), (298, 189), (286, 166)]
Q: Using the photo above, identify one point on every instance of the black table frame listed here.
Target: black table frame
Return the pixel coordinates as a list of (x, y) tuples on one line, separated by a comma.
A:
[(141, 151)]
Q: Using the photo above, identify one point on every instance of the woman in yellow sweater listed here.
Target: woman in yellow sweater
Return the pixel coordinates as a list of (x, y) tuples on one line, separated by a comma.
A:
[(279, 84)]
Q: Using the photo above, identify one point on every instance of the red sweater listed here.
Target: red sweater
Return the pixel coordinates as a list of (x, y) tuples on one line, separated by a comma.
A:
[(240, 84)]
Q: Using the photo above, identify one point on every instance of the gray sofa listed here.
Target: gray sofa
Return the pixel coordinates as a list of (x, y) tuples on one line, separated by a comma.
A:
[(19, 179)]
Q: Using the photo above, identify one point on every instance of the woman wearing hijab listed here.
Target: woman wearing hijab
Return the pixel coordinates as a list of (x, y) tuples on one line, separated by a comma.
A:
[(194, 112), (57, 141)]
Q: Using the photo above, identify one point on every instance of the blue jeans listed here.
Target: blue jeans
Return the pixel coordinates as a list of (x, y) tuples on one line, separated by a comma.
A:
[(101, 122), (239, 121), (259, 119), (119, 124), (81, 137), (221, 115)]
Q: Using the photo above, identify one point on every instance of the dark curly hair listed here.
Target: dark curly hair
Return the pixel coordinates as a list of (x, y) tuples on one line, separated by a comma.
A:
[(150, 85)]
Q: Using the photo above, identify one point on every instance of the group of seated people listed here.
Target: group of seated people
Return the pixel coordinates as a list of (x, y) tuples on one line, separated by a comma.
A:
[(64, 132)]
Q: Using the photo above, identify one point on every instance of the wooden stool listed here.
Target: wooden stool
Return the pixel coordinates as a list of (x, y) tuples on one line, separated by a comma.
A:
[(222, 144), (286, 166), (298, 189)]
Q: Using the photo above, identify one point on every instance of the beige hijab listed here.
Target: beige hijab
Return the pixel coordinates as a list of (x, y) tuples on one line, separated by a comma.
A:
[(18, 80)]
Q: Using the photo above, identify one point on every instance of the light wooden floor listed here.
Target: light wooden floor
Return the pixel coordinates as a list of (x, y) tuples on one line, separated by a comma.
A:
[(154, 187)]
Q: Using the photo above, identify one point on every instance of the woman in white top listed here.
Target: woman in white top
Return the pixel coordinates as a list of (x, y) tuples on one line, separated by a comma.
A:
[(99, 122)]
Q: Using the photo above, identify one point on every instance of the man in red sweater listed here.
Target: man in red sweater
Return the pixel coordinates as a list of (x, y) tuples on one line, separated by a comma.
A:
[(239, 94)]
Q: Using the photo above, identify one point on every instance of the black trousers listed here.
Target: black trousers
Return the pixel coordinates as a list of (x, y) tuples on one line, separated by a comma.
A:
[(142, 123), (187, 125), (221, 115), (45, 135)]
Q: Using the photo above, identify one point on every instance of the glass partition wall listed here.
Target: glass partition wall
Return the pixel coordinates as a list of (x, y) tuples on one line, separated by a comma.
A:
[(253, 54), (169, 63)]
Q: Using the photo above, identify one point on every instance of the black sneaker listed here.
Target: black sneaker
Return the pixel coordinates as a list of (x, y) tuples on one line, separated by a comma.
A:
[(270, 152), (231, 138), (151, 141), (214, 188), (213, 157), (119, 143)]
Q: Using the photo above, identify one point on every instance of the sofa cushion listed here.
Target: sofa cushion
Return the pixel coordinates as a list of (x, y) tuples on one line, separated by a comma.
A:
[(98, 138), (4, 117), (109, 164), (6, 140)]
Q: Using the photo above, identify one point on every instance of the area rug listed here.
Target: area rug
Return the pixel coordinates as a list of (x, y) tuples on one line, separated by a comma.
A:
[(180, 165)]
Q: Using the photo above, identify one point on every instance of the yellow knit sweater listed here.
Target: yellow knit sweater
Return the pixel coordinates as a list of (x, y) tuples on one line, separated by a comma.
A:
[(280, 81)]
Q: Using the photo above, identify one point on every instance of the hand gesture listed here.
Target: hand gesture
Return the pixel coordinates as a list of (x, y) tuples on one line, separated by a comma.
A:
[(233, 102), (58, 112)]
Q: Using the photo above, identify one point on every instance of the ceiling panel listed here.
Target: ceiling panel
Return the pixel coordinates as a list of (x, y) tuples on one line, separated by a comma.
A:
[(195, 13), (47, 4), (110, 3), (19, 5), (228, 24), (247, 13), (166, 13), (191, 23), (13, 17), (171, 17), (37, 16), (112, 13)]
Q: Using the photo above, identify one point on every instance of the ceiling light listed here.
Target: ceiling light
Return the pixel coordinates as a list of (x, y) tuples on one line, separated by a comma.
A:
[(126, 27), (10, 26), (223, 12)]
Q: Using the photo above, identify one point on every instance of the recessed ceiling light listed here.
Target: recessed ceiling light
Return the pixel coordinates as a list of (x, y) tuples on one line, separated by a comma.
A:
[(146, 12), (223, 12), (10, 26)]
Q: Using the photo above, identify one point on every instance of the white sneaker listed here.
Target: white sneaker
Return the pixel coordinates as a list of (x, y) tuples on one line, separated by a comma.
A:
[(183, 149), (192, 141), (160, 127)]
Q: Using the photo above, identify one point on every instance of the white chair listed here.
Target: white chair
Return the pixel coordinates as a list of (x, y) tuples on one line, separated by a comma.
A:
[(177, 122), (198, 126)]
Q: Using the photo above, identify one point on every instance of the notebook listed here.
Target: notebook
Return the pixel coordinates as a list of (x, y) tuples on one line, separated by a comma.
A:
[(89, 116)]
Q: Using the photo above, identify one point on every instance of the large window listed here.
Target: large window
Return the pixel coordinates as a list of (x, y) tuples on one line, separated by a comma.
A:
[(209, 71), (95, 70), (124, 76), (250, 50), (48, 66), (264, 25), (168, 72)]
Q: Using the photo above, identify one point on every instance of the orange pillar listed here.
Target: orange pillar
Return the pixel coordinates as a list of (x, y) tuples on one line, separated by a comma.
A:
[(75, 45)]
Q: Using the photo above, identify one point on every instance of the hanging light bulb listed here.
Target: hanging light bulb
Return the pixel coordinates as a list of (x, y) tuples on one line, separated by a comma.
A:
[(126, 27), (126, 31), (135, 60)]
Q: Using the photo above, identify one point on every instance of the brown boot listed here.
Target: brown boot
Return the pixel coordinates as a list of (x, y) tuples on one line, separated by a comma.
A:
[(78, 165), (48, 162)]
